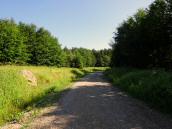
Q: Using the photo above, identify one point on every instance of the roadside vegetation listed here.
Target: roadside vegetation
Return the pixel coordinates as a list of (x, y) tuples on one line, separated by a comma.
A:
[(142, 55), (28, 46), (141, 61), (152, 86), (17, 95)]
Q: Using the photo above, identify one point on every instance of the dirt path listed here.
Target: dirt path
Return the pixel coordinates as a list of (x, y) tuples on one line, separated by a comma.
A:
[(94, 104)]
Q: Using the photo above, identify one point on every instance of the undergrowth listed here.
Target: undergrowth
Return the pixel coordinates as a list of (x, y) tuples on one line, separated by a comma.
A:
[(152, 86)]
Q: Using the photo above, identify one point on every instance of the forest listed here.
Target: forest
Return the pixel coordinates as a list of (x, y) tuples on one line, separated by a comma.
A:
[(26, 44), (142, 55), (144, 40)]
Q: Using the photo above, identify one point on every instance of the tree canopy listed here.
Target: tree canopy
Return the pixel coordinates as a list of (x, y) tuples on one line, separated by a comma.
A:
[(145, 39), (27, 44)]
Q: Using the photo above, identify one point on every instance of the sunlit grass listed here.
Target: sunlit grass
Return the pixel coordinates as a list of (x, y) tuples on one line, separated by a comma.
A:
[(17, 95)]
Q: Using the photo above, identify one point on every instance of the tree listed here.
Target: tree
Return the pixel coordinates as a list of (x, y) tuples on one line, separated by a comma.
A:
[(29, 34), (144, 40), (12, 47), (47, 49)]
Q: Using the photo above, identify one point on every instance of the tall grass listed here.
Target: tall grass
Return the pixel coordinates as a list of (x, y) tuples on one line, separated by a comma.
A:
[(16, 95), (152, 86)]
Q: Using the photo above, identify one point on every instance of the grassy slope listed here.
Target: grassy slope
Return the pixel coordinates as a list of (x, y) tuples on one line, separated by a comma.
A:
[(152, 86), (17, 95)]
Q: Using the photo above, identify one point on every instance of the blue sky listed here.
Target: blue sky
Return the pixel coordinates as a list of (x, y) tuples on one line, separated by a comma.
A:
[(76, 23)]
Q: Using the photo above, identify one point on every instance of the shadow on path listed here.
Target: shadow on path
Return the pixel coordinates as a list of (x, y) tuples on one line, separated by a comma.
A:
[(94, 104)]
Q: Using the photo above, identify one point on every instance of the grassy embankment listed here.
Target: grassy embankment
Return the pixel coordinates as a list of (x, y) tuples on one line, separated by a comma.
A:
[(17, 95), (152, 86)]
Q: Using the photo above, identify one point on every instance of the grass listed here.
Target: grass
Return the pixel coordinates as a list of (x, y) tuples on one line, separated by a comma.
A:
[(152, 86), (17, 95)]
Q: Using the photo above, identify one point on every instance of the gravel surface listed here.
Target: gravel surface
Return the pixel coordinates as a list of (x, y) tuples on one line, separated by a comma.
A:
[(93, 103)]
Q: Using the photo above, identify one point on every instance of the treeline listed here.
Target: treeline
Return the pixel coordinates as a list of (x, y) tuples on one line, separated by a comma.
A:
[(27, 44), (145, 39), (81, 57)]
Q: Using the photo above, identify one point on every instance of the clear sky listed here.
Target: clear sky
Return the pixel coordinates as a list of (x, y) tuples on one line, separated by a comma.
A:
[(76, 23)]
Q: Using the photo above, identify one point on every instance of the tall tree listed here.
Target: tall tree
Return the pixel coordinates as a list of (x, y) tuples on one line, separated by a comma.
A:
[(47, 49), (144, 40), (12, 48)]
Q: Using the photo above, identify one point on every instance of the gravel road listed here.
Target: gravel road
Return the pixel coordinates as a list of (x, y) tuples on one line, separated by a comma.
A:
[(93, 103)]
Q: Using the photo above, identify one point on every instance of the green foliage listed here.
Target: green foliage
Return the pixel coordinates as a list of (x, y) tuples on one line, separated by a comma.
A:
[(103, 57), (29, 34), (47, 49), (144, 40), (81, 57), (151, 86), (17, 95), (27, 44), (12, 47), (22, 43)]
